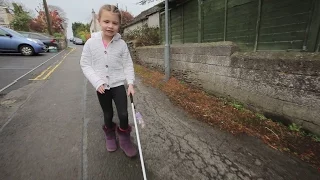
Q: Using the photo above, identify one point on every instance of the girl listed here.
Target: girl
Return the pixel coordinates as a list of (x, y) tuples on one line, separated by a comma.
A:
[(106, 63)]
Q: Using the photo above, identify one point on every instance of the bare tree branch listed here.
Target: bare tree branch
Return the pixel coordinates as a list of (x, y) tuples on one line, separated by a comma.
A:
[(143, 2), (61, 12)]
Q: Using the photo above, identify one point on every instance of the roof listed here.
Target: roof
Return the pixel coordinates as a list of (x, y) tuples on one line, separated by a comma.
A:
[(144, 14)]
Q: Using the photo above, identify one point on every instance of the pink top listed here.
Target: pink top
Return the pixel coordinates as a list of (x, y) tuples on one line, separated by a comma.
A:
[(105, 44)]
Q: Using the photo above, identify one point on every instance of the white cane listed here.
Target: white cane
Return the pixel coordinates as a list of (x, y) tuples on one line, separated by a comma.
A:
[(138, 138)]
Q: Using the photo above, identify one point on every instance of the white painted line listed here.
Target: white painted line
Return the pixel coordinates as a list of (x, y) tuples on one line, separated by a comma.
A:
[(29, 72), (13, 68), (84, 134)]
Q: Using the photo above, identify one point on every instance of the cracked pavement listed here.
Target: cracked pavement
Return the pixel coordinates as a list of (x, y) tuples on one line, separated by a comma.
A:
[(52, 130)]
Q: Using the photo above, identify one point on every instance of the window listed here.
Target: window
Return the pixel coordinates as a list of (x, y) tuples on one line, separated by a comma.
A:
[(14, 33), (35, 36), (2, 33), (25, 35)]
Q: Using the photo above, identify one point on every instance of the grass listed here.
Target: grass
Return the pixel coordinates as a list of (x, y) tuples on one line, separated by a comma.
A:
[(234, 118), (237, 105), (294, 127), (260, 116)]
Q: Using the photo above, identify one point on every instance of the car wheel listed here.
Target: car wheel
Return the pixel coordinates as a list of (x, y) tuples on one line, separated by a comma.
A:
[(26, 50), (46, 49)]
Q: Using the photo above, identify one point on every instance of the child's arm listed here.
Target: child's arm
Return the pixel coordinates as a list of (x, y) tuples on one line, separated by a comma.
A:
[(128, 66), (86, 66)]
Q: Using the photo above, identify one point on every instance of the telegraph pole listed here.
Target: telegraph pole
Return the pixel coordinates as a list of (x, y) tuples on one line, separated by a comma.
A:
[(167, 44), (48, 17)]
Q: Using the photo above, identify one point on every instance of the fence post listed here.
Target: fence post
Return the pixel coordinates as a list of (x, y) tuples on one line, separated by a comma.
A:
[(307, 32), (258, 26), (312, 40), (225, 20), (182, 17), (167, 43), (318, 40), (200, 21)]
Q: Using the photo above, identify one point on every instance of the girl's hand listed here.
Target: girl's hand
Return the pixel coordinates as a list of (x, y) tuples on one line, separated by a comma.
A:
[(101, 89), (130, 90)]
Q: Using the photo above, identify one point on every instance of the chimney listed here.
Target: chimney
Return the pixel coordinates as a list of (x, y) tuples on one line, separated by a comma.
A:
[(94, 21)]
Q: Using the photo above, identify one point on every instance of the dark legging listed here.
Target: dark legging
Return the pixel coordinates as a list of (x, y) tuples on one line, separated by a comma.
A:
[(119, 96)]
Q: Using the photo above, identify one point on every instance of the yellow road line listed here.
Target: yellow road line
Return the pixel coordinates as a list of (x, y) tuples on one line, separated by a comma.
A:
[(38, 78), (42, 73), (52, 70)]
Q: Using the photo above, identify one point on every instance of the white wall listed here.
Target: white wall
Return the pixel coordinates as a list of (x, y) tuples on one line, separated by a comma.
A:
[(153, 20), (91, 27), (98, 28), (5, 18)]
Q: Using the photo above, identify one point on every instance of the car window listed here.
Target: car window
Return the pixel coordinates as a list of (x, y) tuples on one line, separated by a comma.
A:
[(35, 36), (40, 36), (44, 36), (13, 32), (2, 33), (23, 34)]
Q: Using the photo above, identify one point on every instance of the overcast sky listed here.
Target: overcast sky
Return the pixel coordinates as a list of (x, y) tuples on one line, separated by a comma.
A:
[(80, 10)]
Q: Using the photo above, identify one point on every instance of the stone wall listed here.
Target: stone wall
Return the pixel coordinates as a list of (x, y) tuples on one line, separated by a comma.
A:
[(282, 85)]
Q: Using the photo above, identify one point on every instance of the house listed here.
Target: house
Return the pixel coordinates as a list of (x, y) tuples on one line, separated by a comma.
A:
[(5, 17), (150, 17), (94, 23)]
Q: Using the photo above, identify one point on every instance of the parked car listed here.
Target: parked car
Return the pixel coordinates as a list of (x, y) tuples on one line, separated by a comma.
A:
[(46, 39), (12, 41), (78, 41)]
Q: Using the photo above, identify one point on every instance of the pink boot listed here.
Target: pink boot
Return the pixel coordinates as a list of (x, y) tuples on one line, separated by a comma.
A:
[(125, 142), (111, 144)]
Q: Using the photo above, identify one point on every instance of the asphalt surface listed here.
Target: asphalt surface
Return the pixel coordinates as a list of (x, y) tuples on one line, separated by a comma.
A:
[(51, 129), (15, 67)]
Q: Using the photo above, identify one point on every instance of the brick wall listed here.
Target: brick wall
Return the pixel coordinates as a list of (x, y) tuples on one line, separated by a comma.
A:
[(283, 86)]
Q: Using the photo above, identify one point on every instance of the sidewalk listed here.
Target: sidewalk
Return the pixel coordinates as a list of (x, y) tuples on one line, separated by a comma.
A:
[(56, 134)]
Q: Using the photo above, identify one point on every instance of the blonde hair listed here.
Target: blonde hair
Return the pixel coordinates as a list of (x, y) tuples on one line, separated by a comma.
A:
[(110, 8)]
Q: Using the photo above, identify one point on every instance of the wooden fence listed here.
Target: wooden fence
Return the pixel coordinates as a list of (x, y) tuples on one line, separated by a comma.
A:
[(255, 25)]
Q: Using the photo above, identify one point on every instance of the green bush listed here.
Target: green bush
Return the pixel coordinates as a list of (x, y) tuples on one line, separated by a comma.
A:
[(144, 36), (58, 35)]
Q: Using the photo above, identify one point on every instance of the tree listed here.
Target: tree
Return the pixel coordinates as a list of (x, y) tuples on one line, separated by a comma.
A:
[(127, 17), (62, 14), (78, 27), (40, 24), (21, 19), (143, 2), (81, 30), (57, 21)]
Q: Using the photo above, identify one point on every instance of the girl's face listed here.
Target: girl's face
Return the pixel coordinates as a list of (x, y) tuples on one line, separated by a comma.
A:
[(110, 23)]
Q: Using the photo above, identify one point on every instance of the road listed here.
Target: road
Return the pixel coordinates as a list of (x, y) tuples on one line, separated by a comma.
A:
[(23, 68), (51, 129)]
